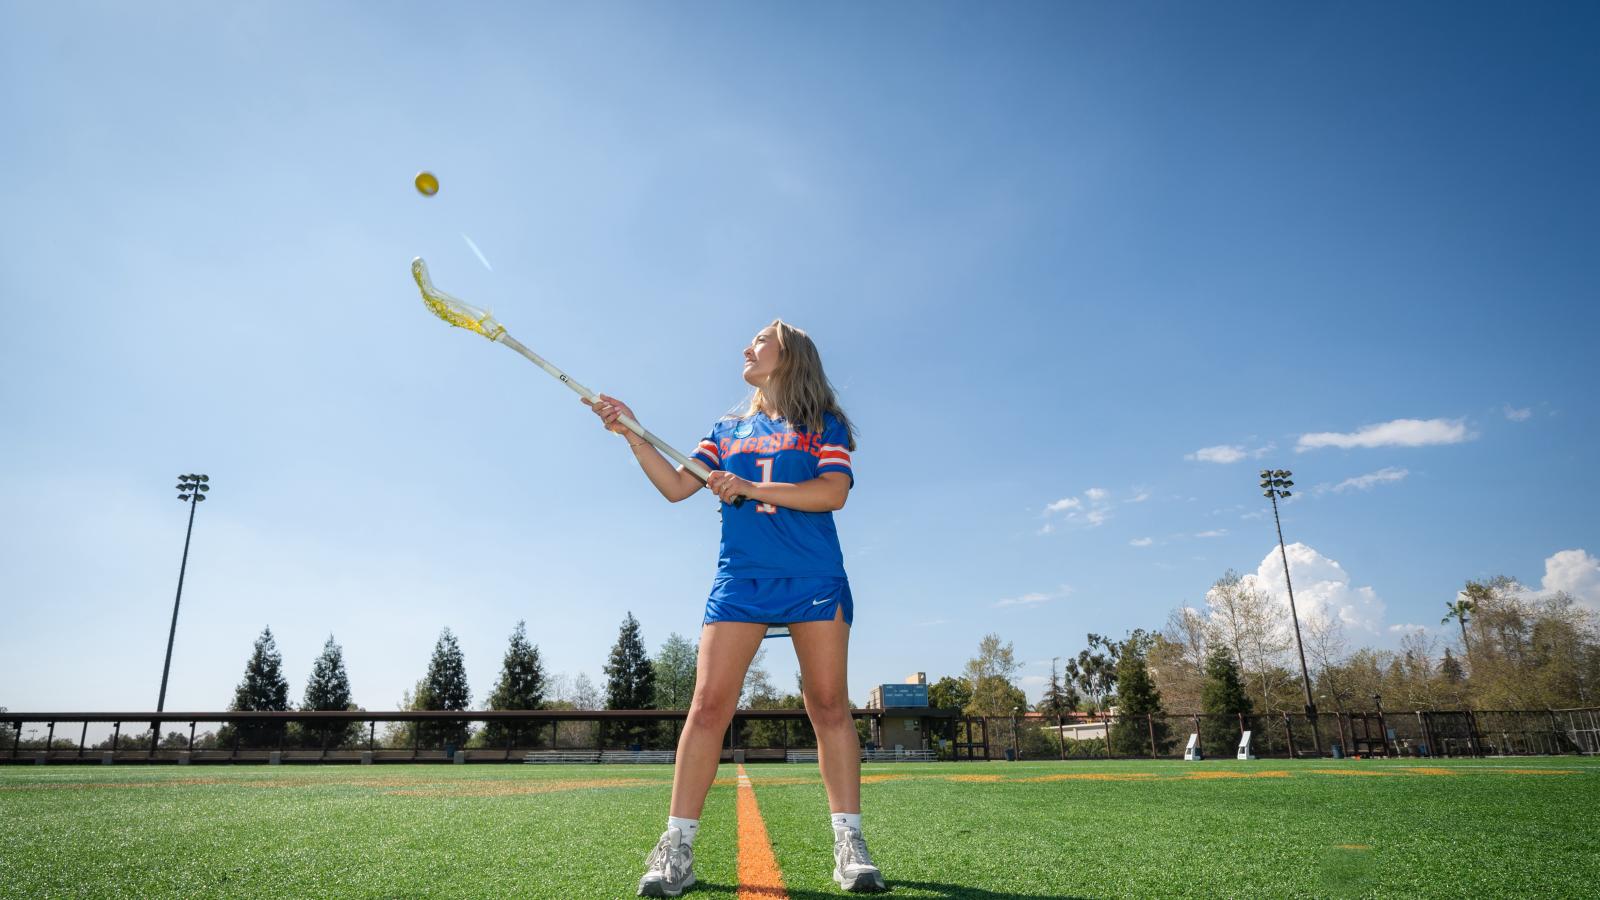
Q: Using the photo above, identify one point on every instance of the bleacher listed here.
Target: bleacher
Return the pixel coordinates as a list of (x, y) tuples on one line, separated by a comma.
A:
[(810, 756), (562, 756), (897, 756), (639, 756), (599, 756)]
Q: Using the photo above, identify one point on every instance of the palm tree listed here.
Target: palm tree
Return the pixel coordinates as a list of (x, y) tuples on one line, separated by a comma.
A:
[(1460, 609)]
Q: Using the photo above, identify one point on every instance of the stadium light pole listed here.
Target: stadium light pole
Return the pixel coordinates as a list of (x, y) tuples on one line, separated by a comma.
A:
[(192, 488), (1275, 483)]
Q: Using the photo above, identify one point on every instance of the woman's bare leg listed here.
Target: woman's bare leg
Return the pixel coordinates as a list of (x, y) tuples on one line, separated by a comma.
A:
[(726, 649), (823, 648)]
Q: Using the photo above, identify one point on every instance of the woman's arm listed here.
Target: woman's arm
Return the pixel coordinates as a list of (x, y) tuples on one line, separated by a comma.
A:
[(825, 493), (674, 482)]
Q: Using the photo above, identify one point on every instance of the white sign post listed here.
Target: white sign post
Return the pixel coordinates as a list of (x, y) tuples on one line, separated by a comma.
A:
[(1191, 753), (1244, 747)]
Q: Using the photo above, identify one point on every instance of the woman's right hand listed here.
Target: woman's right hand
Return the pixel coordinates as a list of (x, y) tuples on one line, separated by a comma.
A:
[(609, 409)]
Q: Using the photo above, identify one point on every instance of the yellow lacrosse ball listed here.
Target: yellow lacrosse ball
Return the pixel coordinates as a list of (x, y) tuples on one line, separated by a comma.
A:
[(427, 184)]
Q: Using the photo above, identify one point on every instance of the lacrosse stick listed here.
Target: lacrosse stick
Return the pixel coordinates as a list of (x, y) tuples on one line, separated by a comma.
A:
[(479, 321)]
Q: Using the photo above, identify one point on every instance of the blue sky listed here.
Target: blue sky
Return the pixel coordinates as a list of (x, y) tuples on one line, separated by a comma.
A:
[(1078, 271)]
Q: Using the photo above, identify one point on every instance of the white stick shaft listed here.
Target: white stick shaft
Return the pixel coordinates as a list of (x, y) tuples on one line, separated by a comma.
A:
[(694, 467)]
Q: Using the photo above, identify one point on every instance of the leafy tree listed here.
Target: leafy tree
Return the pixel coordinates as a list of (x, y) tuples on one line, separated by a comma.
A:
[(263, 689), (397, 735), (172, 740), (757, 683), (759, 693), (630, 684), (584, 694), (444, 688), (993, 695), (1037, 742), (1252, 624), (1094, 672), (1177, 659), (989, 675), (675, 665), (950, 693), (1223, 700), (521, 686), (1137, 698)]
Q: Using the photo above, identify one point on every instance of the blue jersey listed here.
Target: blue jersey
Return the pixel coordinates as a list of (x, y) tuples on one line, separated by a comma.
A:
[(760, 540)]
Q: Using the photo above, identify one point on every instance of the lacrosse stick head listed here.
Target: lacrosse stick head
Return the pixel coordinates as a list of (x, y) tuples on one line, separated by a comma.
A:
[(448, 308)]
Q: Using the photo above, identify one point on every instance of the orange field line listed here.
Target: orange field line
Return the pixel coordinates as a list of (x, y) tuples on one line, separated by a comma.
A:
[(759, 875)]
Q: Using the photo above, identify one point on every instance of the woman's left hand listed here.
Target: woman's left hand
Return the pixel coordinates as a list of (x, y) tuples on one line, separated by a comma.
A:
[(729, 487)]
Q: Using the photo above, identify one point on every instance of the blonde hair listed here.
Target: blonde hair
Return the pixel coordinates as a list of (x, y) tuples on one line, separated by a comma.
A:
[(798, 390)]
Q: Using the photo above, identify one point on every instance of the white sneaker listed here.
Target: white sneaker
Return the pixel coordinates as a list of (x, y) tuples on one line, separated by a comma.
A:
[(853, 869), (669, 868)]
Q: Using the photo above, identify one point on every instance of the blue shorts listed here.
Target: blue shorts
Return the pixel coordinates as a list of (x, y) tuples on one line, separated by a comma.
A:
[(779, 601)]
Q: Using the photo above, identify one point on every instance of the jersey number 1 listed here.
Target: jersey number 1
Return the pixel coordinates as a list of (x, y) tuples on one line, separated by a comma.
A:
[(766, 478)]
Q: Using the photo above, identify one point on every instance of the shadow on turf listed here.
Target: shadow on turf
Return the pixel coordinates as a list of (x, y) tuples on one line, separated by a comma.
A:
[(933, 888)]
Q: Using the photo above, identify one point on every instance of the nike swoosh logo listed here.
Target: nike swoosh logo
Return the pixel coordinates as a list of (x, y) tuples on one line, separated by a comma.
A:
[(820, 602)]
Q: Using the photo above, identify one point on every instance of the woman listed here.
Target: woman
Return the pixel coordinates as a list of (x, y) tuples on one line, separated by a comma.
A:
[(788, 456)]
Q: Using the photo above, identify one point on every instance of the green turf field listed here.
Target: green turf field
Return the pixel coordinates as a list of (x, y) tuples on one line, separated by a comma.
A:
[(1269, 828)]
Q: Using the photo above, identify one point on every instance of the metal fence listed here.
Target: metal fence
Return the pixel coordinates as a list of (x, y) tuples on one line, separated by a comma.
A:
[(507, 736), (362, 736), (1419, 734)]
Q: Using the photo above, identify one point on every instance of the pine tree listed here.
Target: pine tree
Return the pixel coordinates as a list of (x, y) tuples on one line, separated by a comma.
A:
[(1450, 668), (630, 681), (1222, 699), (444, 688), (328, 688), (1137, 699), (521, 686), (1060, 697), (263, 689)]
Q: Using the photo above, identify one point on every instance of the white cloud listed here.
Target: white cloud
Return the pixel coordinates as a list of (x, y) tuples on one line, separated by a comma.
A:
[(1320, 585), (1229, 453), (1368, 481), (1035, 598), (1046, 528), (1095, 514), (1140, 497), (931, 622), (1518, 415), (1224, 453), (1215, 532), (1401, 629), (1575, 572), (1031, 599), (1141, 542), (1398, 433)]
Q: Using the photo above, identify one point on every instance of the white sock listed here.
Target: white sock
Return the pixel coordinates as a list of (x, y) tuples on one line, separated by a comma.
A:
[(687, 826), (847, 820)]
